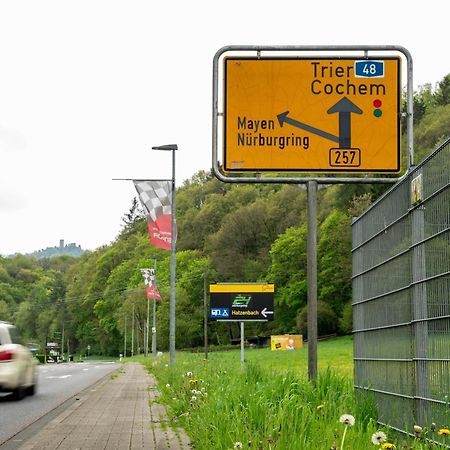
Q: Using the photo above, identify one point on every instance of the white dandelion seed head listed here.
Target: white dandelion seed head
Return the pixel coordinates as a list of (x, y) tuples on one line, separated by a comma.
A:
[(193, 398), (347, 419), (189, 374), (417, 429), (238, 445), (167, 385), (379, 438)]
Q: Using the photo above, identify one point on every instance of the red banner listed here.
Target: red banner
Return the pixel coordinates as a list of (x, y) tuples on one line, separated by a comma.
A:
[(160, 231), (152, 293)]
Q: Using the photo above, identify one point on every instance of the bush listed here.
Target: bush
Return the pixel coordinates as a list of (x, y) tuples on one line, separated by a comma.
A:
[(327, 320), (346, 321)]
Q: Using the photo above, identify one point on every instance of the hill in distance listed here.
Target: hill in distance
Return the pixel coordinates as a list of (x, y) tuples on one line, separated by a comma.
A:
[(71, 249)]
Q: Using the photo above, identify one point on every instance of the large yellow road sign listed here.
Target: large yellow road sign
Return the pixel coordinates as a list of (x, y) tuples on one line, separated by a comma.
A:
[(312, 115)]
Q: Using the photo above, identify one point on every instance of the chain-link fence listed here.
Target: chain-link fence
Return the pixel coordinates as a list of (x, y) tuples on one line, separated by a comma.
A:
[(401, 297)]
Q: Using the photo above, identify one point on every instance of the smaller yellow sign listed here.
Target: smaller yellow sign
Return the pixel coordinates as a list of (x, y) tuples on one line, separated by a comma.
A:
[(286, 342)]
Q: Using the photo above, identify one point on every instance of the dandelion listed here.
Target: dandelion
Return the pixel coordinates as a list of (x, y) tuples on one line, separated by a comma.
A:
[(193, 398), (238, 445), (417, 429), (348, 420), (444, 432), (379, 438), (189, 374), (388, 445), (319, 407), (167, 385)]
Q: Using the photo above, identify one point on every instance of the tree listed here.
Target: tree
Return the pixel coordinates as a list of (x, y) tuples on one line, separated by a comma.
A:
[(327, 321), (288, 272), (334, 260)]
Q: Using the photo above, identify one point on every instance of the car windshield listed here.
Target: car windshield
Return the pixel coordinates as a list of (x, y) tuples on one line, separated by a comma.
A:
[(15, 338)]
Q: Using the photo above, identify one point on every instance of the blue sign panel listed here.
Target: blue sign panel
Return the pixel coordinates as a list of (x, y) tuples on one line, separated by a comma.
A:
[(220, 313), (369, 69)]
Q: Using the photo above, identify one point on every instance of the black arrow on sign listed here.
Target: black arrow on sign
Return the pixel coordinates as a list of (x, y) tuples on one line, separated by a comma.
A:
[(344, 107), (283, 118)]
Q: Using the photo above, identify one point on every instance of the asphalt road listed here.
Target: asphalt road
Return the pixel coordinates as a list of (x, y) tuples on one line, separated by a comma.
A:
[(56, 384)]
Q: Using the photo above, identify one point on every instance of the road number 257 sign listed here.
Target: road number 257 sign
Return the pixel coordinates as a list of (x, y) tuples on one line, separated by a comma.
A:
[(312, 114)]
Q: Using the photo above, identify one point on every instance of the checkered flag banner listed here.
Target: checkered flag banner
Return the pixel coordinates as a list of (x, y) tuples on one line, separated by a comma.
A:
[(155, 196), (149, 276)]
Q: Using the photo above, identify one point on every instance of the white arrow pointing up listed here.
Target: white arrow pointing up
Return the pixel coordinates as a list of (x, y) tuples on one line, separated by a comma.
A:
[(264, 312)]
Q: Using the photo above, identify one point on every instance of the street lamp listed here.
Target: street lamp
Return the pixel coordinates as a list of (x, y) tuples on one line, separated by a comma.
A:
[(172, 148), (154, 311)]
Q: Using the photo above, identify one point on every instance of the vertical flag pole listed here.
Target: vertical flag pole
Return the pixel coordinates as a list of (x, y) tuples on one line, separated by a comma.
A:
[(154, 313), (146, 327), (172, 268), (172, 148)]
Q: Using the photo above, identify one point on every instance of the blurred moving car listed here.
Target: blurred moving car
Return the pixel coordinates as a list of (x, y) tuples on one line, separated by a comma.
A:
[(18, 372)]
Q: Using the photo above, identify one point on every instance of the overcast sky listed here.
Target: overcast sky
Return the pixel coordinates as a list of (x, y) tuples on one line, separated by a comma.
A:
[(88, 86)]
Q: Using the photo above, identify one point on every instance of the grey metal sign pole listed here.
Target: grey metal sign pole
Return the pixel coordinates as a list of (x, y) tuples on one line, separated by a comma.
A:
[(312, 279), (242, 345)]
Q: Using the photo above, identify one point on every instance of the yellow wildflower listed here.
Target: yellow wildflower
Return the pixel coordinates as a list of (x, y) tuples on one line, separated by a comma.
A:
[(388, 445)]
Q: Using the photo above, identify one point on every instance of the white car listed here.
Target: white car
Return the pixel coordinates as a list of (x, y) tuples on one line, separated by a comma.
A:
[(18, 372)]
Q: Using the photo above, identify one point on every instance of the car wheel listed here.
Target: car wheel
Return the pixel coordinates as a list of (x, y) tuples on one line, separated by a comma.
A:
[(18, 393), (31, 390)]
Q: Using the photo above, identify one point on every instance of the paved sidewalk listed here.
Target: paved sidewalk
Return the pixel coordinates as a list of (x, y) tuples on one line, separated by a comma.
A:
[(114, 415)]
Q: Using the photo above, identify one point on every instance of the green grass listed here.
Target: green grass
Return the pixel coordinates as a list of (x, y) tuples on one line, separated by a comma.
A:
[(269, 404)]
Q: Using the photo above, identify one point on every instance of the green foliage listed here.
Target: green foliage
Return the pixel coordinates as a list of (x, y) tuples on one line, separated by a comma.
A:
[(346, 321), (334, 260), (327, 320)]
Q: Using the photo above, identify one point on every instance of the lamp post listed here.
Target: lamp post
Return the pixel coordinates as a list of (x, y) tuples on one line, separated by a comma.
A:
[(172, 148), (154, 311)]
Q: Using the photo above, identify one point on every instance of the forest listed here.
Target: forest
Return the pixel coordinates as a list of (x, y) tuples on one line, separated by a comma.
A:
[(226, 233)]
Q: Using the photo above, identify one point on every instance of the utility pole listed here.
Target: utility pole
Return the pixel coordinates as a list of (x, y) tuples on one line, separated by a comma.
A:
[(205, 312), (132, 332), (125, 340)]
